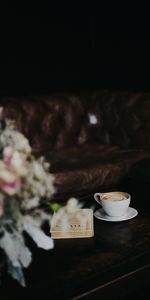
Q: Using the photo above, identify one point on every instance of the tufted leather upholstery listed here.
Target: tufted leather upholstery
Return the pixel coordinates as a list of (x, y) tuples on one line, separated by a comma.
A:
[(91, 139)]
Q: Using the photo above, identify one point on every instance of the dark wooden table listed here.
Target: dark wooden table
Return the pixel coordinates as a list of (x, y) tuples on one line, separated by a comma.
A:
[(114, 263)]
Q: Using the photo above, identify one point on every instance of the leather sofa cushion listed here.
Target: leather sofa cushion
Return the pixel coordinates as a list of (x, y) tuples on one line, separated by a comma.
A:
[(92, 167), (90, 139), (58, 121)]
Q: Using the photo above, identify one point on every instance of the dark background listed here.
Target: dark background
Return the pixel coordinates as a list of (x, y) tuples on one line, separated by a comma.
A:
[(72, 47)]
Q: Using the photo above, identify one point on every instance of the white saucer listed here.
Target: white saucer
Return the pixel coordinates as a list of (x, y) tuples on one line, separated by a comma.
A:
[(101, 215)]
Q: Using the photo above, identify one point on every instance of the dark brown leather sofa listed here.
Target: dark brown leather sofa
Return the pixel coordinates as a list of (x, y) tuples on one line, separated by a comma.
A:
[(91, 139)]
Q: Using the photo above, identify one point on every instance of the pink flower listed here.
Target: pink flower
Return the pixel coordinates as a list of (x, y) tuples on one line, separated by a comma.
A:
[(11, 187), (7, 153)]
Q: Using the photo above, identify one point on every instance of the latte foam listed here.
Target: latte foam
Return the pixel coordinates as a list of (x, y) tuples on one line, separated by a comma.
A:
[(114, 196)]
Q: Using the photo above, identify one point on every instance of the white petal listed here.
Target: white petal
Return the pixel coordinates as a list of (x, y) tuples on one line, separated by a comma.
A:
[(15, 249), (39, 237)]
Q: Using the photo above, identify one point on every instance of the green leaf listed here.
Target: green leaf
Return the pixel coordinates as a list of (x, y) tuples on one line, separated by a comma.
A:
[(55, 206)]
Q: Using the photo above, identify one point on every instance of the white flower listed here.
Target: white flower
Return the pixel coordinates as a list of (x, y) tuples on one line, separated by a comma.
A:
[(18, 164), (72, 205), (16, 140), (38, 171), (21, 143)]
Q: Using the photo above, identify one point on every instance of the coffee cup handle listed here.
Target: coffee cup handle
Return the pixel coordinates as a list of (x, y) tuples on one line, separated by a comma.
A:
[(97, 197)]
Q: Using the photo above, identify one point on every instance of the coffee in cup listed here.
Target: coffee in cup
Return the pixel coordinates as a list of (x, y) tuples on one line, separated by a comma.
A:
[(115, 204)]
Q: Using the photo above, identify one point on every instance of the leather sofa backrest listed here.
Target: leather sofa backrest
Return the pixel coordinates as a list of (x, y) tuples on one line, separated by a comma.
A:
[(58, 121)]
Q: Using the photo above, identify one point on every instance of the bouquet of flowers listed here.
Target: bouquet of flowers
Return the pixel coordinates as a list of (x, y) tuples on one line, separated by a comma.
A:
[(25, 184), (26, 188)]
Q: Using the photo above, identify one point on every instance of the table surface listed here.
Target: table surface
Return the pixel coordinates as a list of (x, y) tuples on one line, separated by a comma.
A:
[(115, 262)]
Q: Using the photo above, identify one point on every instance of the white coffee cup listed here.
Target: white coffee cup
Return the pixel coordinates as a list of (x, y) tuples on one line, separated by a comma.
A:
[(115, 204)]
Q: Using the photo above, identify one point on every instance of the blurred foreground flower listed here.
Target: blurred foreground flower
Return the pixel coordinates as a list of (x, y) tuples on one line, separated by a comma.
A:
[(26, 188)]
